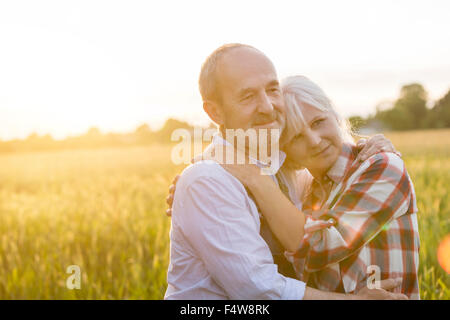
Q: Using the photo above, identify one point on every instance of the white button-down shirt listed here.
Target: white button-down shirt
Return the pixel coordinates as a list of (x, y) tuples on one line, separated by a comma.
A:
[(216, 250)]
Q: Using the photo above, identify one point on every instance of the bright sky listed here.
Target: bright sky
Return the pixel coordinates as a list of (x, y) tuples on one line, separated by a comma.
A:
[(68, 65)]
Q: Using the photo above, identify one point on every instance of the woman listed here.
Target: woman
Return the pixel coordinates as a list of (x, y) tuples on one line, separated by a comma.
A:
[(352, 219)]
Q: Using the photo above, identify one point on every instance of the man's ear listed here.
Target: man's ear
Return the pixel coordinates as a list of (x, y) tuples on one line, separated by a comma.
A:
[(214, 111)]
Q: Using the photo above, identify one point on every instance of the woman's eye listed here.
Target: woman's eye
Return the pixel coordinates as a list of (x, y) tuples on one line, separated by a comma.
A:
[(318, 122)]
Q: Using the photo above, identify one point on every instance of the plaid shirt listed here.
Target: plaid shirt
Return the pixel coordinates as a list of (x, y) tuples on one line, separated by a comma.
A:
[(369, 220)]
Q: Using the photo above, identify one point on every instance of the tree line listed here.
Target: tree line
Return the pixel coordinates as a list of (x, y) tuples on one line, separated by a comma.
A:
[(94, 138), (408, 112)]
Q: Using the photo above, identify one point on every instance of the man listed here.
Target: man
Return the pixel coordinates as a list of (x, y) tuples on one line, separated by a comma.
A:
[(219, 249)]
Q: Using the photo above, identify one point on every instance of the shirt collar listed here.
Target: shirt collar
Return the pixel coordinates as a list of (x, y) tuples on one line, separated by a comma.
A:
[(219, 140), (343, 163)]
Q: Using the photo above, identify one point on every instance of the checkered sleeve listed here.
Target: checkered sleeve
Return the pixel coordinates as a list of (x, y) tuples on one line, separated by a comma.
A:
[(377, 192)]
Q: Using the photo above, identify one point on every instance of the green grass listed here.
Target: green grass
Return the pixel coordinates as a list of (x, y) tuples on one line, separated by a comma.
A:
[(104, 210), (427, 158)]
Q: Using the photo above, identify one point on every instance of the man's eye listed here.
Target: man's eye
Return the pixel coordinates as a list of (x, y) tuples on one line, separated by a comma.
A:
[(274, 90), (247, 97)]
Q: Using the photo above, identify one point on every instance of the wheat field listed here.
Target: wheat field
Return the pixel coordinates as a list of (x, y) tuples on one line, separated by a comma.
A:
[(104, 210)]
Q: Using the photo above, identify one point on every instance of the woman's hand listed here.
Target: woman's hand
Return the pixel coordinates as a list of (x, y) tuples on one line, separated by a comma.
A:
[(383, 292), (169, 198), (248, 174)]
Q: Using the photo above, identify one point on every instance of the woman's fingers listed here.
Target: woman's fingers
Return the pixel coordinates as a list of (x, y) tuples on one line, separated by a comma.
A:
[(398, 296), (169, 200), (174, 181), (172, 188), (390, 284)]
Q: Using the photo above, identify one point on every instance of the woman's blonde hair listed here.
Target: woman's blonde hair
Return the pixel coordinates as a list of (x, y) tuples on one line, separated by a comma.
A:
[(299, 91)]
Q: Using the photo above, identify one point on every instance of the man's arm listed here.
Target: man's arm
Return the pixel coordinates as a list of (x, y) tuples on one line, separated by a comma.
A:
[(364, 294), (226, 238), (215, 218)]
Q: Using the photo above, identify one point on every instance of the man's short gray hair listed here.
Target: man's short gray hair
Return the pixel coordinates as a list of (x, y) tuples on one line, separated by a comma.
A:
[(208, 78)]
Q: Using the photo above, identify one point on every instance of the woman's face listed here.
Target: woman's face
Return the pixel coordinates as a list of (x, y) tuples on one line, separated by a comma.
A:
[(318, 145)]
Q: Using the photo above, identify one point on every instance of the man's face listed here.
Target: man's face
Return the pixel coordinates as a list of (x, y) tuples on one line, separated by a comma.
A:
[(250, 91)]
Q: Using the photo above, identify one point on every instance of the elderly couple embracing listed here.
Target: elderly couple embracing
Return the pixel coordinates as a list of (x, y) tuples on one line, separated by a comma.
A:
[(336, 220)]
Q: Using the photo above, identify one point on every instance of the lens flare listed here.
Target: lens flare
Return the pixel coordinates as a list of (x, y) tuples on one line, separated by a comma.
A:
[(443, 254)]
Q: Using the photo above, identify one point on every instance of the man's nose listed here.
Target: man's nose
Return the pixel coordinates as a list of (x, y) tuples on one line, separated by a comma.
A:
[(265, 104)]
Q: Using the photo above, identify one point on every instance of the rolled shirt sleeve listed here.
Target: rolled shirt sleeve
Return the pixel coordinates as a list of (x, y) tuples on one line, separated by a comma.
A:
[(378, 192)]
